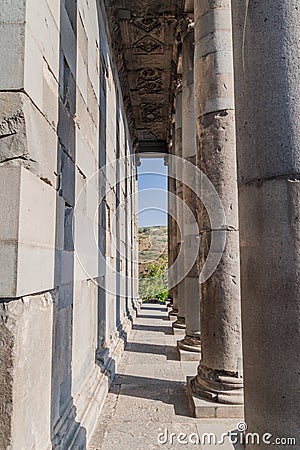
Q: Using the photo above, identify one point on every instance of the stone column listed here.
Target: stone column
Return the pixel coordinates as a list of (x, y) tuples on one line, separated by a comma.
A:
[(267, 85), (191, 341), (219, 373), (179, 324), (172, 232)]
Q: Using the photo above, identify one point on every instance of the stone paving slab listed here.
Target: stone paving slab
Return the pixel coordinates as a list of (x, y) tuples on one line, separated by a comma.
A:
[(147, 406)]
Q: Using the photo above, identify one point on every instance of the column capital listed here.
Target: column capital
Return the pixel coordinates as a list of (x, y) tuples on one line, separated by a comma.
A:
[(178, 83), (186, 28)]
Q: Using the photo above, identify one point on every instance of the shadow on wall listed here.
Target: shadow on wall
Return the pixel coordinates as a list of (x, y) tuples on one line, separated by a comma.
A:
[(103, 210), (65, 431)]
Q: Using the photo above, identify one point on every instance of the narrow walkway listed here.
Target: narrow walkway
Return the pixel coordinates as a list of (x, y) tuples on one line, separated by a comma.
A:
[(148, 395)]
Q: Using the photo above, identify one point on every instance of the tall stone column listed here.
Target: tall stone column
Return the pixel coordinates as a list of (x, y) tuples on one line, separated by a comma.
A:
[(191, 341), (172, 229), (267, 88), (219, 373), (179, 324)]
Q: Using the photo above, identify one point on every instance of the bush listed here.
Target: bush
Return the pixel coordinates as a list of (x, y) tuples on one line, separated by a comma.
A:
[(154, 283)]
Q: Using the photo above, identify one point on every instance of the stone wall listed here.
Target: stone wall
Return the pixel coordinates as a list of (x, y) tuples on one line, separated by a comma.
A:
[(66, 308)]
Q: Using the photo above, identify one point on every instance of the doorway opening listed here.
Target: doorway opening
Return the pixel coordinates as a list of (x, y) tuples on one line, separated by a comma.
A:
[(153, 230)]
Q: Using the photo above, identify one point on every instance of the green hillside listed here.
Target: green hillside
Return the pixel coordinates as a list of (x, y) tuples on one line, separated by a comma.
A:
[(153, 262)]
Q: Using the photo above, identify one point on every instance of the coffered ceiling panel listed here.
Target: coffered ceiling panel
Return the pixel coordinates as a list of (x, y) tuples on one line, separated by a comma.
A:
[(144, 35)]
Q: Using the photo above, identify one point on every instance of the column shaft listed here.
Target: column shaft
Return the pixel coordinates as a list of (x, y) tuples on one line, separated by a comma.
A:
[(180, 322), (267, 89), (172, 228), (191, 342), (219, 372)]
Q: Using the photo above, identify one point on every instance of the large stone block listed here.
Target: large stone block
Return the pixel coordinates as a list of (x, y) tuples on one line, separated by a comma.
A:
[(27, 233), (85, 121), (68, 169), (216, 159), (61, 365), (223, 290), (84, 331), (25, 375), (86, 244), (33, 69), (267, 89), (68, 39), (205, 6), (85, 159), (82, 76), (12, 44), (218, 95), (12, 12), (270, 233), (44, 27), (50, 95), (26, 137)]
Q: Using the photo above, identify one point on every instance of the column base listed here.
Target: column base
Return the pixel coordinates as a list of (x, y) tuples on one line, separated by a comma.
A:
[(189, 349), (173, 314), (203, 408), (179, 326), (185, 355), (216, 393), (168, 305)]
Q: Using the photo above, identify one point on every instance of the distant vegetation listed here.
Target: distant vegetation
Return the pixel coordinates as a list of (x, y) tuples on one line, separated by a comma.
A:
[(153, 263)]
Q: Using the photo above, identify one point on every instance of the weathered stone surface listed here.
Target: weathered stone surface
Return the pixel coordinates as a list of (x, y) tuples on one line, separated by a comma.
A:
[(274, 143), (26, 339), (268, 136), (217, 160), (26, 138), (190, 228), (221, 321), (148, 399), (12, 72), (32, 200), (49, 148), (206, 409), (220, 294), (185, 355)]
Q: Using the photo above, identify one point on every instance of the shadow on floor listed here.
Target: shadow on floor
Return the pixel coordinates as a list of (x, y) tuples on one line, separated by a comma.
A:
[(155, 389), (158, 328), (159, 308), (168, 350), (149, 316)]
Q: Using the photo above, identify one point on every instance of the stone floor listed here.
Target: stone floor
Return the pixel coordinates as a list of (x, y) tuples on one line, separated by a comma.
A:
[(148, 396)]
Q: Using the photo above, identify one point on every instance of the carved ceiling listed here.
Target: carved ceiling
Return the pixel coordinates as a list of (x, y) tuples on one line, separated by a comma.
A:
[(144, 36)]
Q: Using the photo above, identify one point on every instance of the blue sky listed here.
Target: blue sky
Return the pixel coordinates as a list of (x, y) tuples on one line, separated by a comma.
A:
[(153, 197)]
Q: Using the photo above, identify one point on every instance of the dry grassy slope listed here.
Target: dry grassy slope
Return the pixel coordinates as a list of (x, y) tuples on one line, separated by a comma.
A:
[(153, 247)]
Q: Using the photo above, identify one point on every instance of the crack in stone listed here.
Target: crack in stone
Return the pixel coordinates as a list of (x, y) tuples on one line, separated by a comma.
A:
[(226, 228), (292, 178), (22, 157), (2, 136)]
